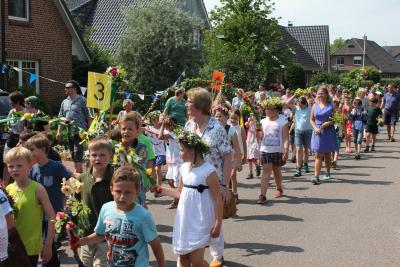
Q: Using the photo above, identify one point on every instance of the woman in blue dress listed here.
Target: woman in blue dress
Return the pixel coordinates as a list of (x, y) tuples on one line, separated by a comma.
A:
[(323, 141)]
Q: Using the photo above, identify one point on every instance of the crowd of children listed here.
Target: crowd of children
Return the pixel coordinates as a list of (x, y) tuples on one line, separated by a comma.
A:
[(120, 226)]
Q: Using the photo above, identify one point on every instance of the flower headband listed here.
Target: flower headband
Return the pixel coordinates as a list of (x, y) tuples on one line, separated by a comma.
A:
[(193, 140), (220, 107), (272, 103)]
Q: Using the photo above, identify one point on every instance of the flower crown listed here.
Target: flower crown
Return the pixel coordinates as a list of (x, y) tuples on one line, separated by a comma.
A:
[(220, 107), (154, 114), (193, 140), (272, 103)]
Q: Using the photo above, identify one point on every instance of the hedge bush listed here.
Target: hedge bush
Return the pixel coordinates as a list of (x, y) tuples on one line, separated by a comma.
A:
[(386, 81)]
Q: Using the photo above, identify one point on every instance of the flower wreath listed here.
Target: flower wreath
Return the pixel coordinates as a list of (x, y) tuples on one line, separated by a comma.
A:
[(193, 140), (272, 103), (220, 107)]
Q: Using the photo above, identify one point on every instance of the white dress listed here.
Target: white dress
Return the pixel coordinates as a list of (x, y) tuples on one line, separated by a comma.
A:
[(195, 215)]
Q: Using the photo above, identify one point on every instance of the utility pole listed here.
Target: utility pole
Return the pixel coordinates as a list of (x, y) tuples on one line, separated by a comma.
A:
[(365, 40)]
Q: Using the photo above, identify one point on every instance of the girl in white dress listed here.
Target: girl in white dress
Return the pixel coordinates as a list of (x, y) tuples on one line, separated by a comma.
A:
[(198, 218)]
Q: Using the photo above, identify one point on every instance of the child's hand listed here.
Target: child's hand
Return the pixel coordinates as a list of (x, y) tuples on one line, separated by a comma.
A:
[(215, 231), (47, 252)]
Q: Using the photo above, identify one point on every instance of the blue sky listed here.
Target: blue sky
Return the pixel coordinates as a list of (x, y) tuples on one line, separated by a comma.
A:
[(379, 20)]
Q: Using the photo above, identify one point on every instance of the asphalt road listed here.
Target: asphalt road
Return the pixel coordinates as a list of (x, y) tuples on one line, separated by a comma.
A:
[(352, 220)]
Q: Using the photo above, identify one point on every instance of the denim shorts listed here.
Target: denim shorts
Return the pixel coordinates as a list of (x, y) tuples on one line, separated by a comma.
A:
[(303, 138), (159, 160), (357, 136)]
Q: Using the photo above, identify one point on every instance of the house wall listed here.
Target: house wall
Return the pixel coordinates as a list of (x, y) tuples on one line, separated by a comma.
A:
[(348, 63), (46, 39)]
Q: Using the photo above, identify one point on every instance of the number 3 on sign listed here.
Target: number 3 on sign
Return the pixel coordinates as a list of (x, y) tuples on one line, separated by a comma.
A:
[(99, 91)]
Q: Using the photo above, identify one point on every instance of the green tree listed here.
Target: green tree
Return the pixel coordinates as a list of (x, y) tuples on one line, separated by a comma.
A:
[(339, 42), (324, 77), (295, 76), (244, 42), (158, 45)]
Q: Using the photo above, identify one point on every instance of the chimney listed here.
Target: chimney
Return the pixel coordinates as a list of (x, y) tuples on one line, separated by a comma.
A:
[(290, 23)]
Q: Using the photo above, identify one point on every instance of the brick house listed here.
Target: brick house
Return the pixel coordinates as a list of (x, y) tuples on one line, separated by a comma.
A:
[(41, 38), (350, 56)]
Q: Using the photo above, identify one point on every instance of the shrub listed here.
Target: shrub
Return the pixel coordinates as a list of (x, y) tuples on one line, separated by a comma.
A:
[(295, 76), (386, 81), (324, 77)]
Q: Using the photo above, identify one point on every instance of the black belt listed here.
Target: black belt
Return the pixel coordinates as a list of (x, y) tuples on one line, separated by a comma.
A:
[(199, 187)]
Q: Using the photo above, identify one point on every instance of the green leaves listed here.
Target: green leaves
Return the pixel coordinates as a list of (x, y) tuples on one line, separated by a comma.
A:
[(244, 42), (158, 45)]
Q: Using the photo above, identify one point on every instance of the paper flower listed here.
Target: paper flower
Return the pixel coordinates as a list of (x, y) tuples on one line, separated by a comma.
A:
[(70, 225), (61, 215), (27, 116), (66, 190)]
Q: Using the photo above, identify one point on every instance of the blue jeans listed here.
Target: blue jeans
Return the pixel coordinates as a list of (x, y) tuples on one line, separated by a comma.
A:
[(357, 136)]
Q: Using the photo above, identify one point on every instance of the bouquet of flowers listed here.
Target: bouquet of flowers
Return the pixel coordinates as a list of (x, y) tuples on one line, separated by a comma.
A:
[(336, 117), (271, 103), (75, 216), (381, 122), (249, 110), (128, 155)]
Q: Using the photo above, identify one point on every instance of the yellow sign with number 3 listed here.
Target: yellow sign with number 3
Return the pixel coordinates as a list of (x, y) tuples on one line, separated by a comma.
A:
[(99, 91)]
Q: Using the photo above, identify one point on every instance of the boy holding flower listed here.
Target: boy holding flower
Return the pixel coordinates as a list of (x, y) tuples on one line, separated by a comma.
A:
[(95, 193)]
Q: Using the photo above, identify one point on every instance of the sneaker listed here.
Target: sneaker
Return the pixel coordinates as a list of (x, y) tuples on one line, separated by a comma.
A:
[(372, 148), (315, 180), (217, 262), (261, 200), (306, 168), (366, 149), (327, 177), (392, 140), (258, 170), (293, 159), (278, 193), (298, 172), (250, 176)]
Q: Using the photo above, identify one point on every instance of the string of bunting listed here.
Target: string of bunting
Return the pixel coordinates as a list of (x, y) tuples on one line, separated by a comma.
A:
[(32, 77)]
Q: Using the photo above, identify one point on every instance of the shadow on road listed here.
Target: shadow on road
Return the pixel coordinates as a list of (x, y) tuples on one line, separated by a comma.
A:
[(162, 228), (169, 263), (66, 258), (268, 217), (310, 200), (249, 186), (353, 174), (365, 182), (165, 239), (262, 248), (362, 167)]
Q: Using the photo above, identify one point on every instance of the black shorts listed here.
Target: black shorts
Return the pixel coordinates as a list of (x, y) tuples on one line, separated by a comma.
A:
[(372, 129), (272, 158), (75, 148)]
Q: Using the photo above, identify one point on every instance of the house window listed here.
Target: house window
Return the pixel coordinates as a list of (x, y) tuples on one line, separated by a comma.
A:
[(357, 60), (21, 79), (18, 9), (196, 37), (340, 61)]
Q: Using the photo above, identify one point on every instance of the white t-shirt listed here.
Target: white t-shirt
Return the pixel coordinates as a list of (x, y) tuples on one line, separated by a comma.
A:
[(172, 153), (159, 145), (272, 141), (4, 210)]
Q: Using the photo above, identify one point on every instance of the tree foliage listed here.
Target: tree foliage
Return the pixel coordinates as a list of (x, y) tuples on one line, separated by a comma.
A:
[(295, 77), (244, 42), (324, 77), (158, 45), (339, 42)]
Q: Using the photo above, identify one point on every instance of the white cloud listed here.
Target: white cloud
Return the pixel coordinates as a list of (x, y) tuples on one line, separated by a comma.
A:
[(346, 18)]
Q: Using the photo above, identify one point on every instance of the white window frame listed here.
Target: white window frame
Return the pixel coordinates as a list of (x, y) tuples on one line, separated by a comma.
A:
[(341, 64), (20, 80), (20, 18), (358, 58)]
